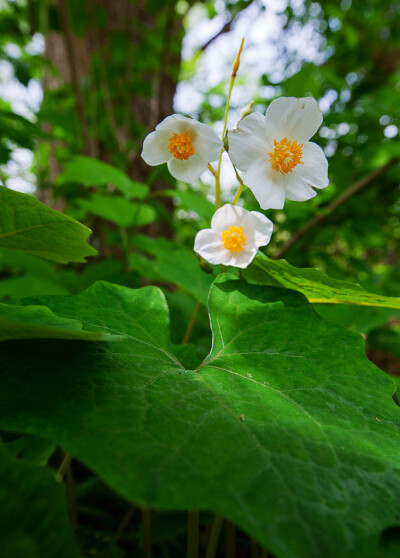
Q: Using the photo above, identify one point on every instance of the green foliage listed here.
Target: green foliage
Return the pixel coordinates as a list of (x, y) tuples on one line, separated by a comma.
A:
[(35, 322), (170, 263), (285, 428), (92, 172), (287, 402), (30, 226), (315, 285), (42, 528), (118, 210)]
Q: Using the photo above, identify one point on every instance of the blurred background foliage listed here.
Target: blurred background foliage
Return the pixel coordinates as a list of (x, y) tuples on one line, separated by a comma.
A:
[(81, 85)]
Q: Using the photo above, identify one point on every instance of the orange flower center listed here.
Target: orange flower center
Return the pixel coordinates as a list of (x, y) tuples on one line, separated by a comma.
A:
[(233, 239), (180, 145), (286, 155)]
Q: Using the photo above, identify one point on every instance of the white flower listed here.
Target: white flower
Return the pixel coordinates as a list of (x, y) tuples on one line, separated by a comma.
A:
[(186, 145), (234, 237), (274, 151)]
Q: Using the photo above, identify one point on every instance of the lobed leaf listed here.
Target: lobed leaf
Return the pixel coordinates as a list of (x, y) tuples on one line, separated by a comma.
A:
[(286, 428)]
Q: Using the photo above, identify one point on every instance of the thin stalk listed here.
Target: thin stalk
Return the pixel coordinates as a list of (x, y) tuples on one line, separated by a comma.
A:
[(64, 466), (214, 537), (191, 323), (125, 521), (230, 539), (211, 169), (238, 194), (193, 535), (241, 187), (147, 532), (217, 176)]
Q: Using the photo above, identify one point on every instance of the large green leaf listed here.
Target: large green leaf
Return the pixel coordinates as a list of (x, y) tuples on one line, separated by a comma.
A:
[(34, 519), (314, 284), (39, 322), (92, 172), (286, 428), (30, 226)]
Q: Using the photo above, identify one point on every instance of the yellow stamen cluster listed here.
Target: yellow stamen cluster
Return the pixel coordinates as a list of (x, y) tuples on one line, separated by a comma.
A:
[(233, 239), (286, 155), (180, 145)]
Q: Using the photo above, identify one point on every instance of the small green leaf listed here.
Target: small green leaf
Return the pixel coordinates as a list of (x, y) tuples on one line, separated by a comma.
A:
[(118, 210), (92, 172), (30, 226), (35, 521), (314, 284)]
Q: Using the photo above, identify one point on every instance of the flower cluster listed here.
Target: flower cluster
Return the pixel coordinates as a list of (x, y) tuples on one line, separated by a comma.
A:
[(273, 152)]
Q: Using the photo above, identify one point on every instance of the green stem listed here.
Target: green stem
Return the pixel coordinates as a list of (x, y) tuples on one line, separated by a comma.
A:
[(238, 194), (147, 532), (230, 539), (214, 537), (217, 175), (193, 535), (64, 466), (191, 323), (241, 187)]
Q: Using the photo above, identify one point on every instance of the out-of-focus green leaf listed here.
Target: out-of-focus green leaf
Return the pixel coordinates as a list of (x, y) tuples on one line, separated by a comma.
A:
[(34, 450), (30, 226), (171, 263), (35, 521), (118, 210), (92, 172), (286, 428), (193, 201), (314, 284)]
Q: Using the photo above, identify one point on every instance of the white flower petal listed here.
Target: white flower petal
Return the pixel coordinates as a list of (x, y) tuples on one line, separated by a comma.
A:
[(155, 148), (249, 141), (187, 170), (261, 227), (206, 143), (226, 216), (177, 123), (208, 244), (298, 190), (296, 119), (315, 168), (266, 185), (241, 259)]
